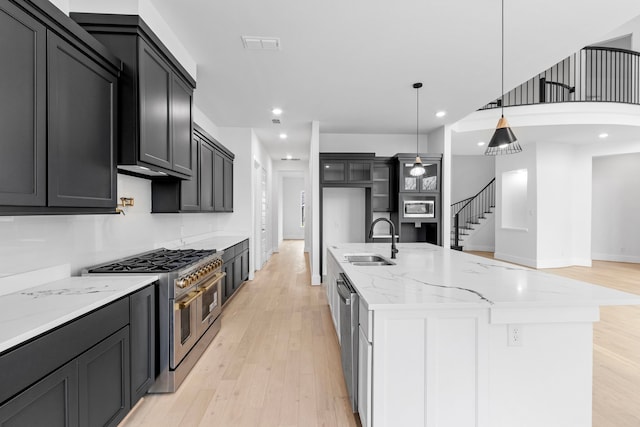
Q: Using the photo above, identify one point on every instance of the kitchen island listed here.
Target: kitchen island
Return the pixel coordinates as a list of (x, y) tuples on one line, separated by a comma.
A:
[(451, 339)]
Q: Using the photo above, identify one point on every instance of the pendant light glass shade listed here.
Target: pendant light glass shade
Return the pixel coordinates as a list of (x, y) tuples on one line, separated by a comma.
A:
[(418, 168), (503, 141)]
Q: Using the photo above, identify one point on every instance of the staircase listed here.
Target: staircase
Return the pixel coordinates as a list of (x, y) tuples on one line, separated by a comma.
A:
[(469, 213)]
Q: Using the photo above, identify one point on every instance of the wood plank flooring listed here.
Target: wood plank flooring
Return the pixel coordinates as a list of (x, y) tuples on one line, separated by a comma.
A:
[(616, 344), (276, 361)]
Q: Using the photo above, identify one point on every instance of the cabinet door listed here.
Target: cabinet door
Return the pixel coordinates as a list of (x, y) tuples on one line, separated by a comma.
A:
[(359, 171), (181, 126), (244, 259), (228, 185), (190, 191), (218, 183), (229, 280), (206, 177), (82, 125), (333, 171), (51, 402), (155, 93), (364, 378), (23, 118), (104, 385), (142, 329), (237, 273), (382, 191)]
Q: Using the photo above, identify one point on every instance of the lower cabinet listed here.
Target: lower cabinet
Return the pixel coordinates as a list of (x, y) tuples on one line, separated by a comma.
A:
[(52, 401), (236, 265), (364, 378), (89, 372), (104, 381)]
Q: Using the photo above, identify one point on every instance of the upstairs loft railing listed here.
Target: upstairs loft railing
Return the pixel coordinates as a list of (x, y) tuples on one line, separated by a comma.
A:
[(594, 74), (468, 212)]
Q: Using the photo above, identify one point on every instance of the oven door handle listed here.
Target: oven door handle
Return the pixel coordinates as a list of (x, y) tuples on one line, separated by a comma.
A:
[(185, 303), (213, 282)]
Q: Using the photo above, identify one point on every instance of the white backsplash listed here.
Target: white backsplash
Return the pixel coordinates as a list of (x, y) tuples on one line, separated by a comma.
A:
[(35, 242)]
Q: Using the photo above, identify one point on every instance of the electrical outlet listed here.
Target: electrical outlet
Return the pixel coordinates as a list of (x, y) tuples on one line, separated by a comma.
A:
[(514, 335)]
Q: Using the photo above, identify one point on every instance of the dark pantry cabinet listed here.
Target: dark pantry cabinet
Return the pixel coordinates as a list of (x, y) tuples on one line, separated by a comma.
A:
[(210, 189), (156, 97), (58, 96), (88, 372)]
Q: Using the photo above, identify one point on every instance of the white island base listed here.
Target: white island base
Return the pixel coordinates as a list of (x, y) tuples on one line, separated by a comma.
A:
[(452, 340)]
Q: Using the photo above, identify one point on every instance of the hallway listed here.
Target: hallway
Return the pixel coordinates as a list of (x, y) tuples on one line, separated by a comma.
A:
[(276, 361)]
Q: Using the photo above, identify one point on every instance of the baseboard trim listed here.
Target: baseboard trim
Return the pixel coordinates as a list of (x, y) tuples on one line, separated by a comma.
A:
[(316, 280), (515, 259), (616, 258), (479, 248)]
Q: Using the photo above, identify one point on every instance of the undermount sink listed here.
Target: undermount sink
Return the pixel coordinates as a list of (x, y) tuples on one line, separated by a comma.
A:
[(368, 260)]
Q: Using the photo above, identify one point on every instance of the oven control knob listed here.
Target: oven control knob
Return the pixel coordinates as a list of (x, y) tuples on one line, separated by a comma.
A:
[(182, 283)]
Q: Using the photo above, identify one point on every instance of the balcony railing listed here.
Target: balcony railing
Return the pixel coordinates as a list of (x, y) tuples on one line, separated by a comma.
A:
[(594, 74)]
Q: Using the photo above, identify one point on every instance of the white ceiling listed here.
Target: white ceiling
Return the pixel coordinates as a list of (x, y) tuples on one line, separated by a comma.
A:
[(350, 64)]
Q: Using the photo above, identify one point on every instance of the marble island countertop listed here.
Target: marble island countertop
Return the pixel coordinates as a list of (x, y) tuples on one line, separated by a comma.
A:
[(429, 276), (29, 312)]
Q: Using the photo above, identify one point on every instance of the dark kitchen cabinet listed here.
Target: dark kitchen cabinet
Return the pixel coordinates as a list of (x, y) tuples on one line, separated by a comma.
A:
[(211, 187), (52, 401), (23, 108), (104, 381), (383, 190), (142, 332), (82, 126), (156, 97), (58, 111), (207, 163), (346, 169), (86, 372), (427, 183), (236, 266)]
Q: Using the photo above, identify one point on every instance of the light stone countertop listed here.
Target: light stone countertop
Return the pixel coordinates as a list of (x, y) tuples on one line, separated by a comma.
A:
[(29, 312), (429, 276)]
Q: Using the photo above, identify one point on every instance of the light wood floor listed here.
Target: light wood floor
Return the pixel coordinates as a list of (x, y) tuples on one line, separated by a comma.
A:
[(276, 361), (616, 344)]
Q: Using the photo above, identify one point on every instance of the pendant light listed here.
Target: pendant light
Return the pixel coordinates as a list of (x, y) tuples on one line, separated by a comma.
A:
[(418, 168), (503, 140)]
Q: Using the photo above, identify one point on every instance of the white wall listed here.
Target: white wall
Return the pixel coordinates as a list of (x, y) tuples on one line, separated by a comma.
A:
[(469, 174), (291, 211), (615, 227), (261, 161), (383, 145), (33, 242), (313, 190), (343, 212), (519, 246)]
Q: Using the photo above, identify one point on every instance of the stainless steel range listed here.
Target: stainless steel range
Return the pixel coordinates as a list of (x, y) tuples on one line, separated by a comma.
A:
[(189, 302)]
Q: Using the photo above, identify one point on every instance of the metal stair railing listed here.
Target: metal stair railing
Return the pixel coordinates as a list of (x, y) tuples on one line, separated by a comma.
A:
[(469, 211)]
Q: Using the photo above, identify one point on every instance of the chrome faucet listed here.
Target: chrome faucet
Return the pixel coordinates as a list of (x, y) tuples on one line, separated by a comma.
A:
[(394, 250)]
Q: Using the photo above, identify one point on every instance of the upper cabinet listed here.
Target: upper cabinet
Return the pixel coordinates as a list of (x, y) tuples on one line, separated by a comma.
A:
[(427, 183), (156, 97), (58, 114), (210, 189), (346, 169)]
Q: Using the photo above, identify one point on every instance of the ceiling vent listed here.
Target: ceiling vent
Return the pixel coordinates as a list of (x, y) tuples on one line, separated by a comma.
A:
[(261, 43), (275, 121)]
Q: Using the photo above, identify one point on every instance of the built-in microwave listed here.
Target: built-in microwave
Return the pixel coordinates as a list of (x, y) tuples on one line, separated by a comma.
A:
[(419, 209)]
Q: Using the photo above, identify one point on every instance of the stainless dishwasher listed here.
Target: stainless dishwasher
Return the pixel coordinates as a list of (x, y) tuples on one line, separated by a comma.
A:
[(349, 337)]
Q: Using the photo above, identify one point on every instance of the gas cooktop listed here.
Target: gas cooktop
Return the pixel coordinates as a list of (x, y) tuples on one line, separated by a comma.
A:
[(158, 261)]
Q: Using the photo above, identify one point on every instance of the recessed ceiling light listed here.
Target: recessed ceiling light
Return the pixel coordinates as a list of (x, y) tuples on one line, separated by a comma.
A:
[(277, 111), (603, 135), (441, 114), (289, 157), (481, 143), (283, 136)]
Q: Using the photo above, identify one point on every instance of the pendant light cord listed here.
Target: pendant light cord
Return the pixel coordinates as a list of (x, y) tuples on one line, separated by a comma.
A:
[(502, 63), (417, 118)]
